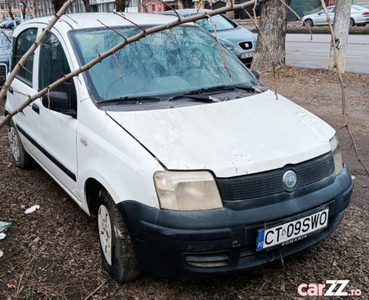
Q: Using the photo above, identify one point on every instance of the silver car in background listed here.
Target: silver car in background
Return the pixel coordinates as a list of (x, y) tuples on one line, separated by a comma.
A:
[(358, 16), (236, 38)]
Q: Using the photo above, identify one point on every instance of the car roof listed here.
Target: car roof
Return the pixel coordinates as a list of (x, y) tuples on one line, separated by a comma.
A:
[(185, 12), (93, 20)]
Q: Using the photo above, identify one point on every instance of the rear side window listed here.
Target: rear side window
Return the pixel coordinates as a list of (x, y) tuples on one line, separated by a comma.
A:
[(22, 44)]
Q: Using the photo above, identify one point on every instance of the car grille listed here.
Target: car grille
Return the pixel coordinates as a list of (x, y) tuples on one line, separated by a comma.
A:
[(245, 45), (270, 183), (3, 71)]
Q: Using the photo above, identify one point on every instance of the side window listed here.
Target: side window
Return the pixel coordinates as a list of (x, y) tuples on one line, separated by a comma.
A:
[(22, 44), (53, 66)]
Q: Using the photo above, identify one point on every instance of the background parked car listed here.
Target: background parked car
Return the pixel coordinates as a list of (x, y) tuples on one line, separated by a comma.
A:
[(358, 16), (8, 24), (4, 56), (236, 38)]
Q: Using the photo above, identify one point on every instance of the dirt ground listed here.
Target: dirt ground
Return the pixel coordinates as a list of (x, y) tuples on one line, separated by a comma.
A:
[(53, 253)]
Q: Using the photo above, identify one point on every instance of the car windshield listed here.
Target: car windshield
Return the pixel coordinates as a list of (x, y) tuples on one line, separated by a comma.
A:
[(329, 10), (170, 62), (221, 23), (4, 40), (360, 8)]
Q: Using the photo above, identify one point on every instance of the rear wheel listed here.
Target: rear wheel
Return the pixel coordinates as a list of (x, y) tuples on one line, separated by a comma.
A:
[(117, 253), (352, 22), (21, 158), (309, 22)]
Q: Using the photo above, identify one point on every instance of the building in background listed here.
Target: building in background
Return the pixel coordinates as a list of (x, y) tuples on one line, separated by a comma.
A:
[(39, 8), (16, 8)]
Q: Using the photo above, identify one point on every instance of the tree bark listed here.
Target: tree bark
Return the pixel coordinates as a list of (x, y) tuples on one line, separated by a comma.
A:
[(120, 5), (86, 3), (8, 4), (57, 4), (273, 26), (341, 26)]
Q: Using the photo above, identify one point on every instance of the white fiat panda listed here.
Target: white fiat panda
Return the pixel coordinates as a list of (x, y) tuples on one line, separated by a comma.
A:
[(192, 167)]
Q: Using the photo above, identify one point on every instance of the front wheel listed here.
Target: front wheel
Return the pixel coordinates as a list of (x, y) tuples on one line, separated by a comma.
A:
[(352, 22), (117, 253), (309, 23)]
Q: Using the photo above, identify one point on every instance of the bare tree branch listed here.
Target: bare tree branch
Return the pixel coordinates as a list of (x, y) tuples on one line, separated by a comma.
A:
[(221, 46), (266, 45), (298, 17), (120, 69), (339, 74)]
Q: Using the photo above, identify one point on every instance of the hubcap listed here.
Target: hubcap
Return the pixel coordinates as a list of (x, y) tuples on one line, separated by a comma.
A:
[(14, 145), (105, 233)]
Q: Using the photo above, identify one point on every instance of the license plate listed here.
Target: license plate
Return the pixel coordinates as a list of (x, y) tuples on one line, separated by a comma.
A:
[(292, 231), (246, 55)]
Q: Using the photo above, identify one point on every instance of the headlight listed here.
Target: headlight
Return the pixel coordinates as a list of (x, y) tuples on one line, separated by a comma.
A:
[(228, 46), (187, 191), (338, 164)]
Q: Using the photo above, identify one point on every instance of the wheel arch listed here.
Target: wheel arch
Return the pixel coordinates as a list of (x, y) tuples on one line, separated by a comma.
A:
[(92, 189), (307, 21)]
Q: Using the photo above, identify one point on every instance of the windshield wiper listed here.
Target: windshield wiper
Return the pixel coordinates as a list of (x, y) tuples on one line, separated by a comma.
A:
[(195, 97), (200, 94), (243, 87), (136, 99), (209, 90), (250, 88)]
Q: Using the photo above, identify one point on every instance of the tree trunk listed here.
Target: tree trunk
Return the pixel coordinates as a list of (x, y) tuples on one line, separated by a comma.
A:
[(120, 5), (86, 3), (57, 4), (8, 4), (273, 26), (341, 26), (23, 12)]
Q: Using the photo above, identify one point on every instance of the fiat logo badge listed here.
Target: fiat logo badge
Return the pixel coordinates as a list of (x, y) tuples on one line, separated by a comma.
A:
[(290, 180)]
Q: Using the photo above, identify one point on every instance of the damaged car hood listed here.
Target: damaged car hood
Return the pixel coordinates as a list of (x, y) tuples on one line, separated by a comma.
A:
[(231, 138)]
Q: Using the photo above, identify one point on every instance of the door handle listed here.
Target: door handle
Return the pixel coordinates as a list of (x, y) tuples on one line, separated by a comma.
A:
[(36, 108)]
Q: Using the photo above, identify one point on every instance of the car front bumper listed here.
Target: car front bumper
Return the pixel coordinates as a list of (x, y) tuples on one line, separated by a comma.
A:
[(246, 58), (206, 244)]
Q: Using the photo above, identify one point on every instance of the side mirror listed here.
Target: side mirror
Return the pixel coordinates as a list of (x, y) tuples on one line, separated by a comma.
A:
[(59, 102), (256, 74)]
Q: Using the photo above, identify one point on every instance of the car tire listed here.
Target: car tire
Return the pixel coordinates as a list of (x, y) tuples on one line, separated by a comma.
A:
[(352, 22), (309, 22), (117, 254), (21, 158)]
